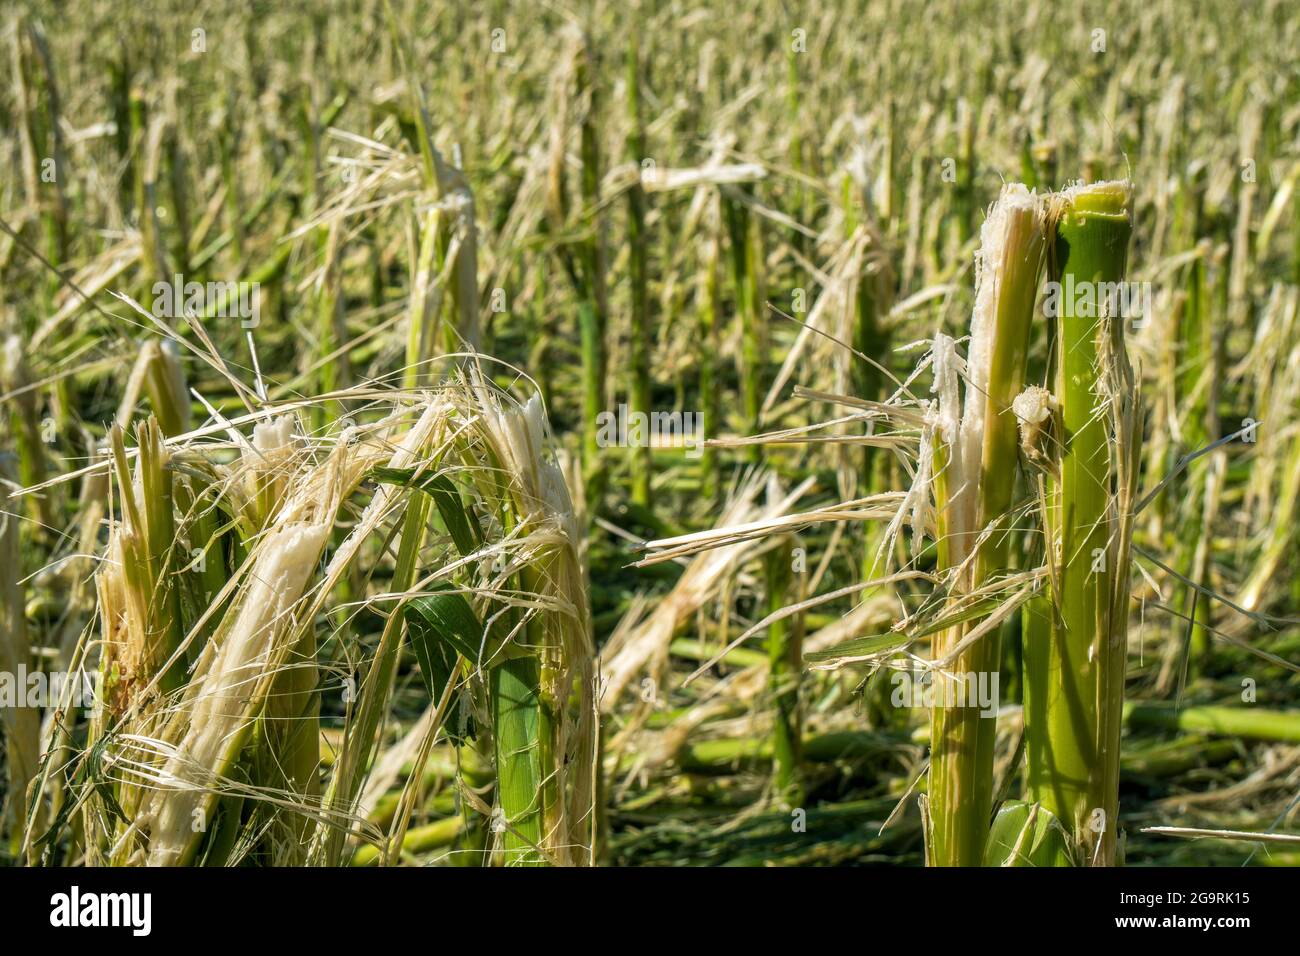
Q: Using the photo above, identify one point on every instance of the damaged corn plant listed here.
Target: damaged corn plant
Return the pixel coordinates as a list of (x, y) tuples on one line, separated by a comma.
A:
[(1078, 432), (228, 553), (649, 435), (997, 458)]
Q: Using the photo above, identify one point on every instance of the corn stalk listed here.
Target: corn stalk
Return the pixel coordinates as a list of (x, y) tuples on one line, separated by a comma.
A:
[(974, 466), (1074, 689)]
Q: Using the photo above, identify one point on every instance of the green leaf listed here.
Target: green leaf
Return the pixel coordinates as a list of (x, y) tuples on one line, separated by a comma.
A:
[(444, 616), (461, 521), (1023, 837), (441, 627), (944, 621), (893, 640), (861, 647)]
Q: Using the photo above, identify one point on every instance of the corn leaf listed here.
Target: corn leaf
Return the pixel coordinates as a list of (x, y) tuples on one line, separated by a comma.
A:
[(461, 521), (1026, 835), (442, 627)]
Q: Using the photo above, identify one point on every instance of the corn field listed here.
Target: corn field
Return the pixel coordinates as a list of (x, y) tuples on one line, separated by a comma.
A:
[(656, 434)]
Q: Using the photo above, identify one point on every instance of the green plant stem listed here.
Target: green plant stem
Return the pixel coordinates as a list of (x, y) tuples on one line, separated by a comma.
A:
[(710, 404), (517, 722), (639, 341), (592, 331), (870, 338), (1249, 721), (745, 261), (963, 737), (592, 311), (785, 668), (1197, 387), (20, 726), (1075, 682)]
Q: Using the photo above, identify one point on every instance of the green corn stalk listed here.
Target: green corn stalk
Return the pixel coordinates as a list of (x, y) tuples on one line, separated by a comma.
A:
[(710, 402), (513, 714), (1074, 680), (1046, 162), (309, 132), (176, 188), (544, 795), (20, 726), (887, 202), (746, 260), (525, 717), (965, 186), (41, 140), (331, 334), (540, 693), (269, 276), (1252, 722), (148, 536), (871, 338), (164, 381), (331, 330), (455, 238), (457, 246), (519, 728), (540, 335), (152, 255), (229, 146), (591, 331), (799, 193), (785, 666), (1295, 240), (640, 335), (583, 255), (976, 479), (290, 762), (26, 426), (1188, 215), (138, 125), (206, 561), (119, 82), (1196, 393), (426, 297), (592, 313), (1028, 169)]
